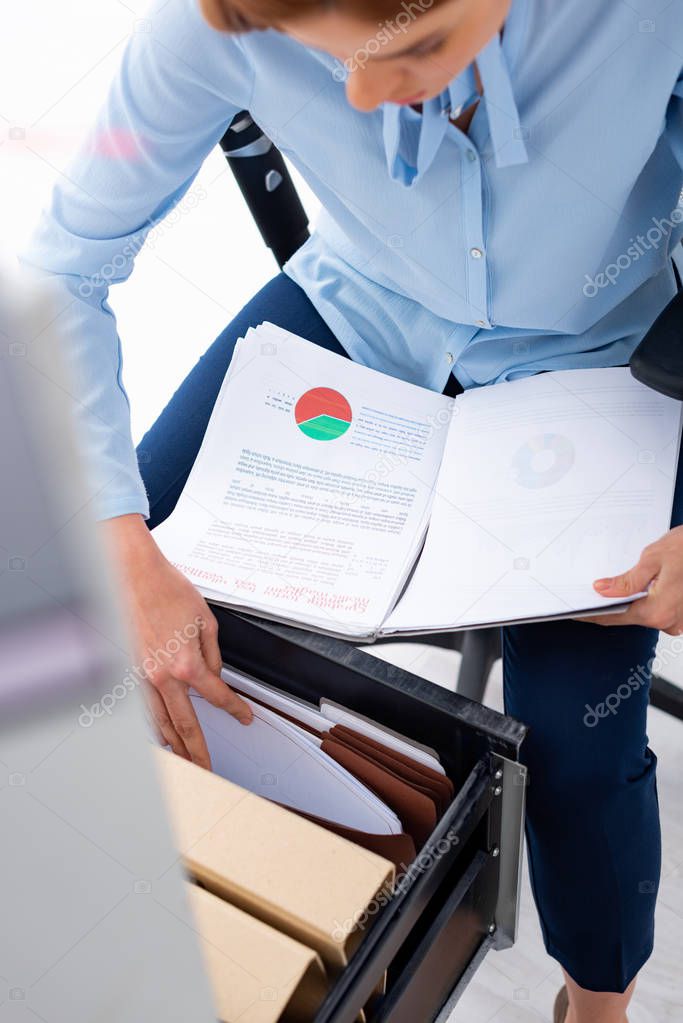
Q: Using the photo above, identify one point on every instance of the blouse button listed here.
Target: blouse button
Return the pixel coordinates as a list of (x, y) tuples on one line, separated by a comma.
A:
[(449, 357), (476, 253)]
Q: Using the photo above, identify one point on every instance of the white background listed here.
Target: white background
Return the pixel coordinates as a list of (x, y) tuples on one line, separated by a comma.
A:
[(56, 60)]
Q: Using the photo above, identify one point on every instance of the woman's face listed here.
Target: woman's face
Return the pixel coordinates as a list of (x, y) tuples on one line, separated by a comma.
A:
[(408, 58)]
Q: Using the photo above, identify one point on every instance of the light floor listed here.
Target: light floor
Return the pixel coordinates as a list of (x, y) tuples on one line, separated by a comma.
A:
[(519, 985)]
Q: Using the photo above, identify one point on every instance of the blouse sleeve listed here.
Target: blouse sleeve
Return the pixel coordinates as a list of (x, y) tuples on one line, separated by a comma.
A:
[(178, 85)]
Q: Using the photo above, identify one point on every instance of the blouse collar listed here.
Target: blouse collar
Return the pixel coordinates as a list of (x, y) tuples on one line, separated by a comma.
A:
[(411, 141)]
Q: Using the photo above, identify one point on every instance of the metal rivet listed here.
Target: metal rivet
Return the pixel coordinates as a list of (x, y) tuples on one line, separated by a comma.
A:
[(244, 122), (273, 179)]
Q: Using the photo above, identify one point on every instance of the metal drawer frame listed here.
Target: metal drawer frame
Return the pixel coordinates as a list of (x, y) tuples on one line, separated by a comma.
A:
[(460, 897)]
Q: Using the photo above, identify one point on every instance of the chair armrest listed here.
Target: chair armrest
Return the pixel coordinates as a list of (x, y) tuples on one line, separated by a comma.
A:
[(658, 359)]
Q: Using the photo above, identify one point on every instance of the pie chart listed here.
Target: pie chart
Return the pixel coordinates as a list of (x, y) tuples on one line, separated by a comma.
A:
[(323, 413), (543, 460)]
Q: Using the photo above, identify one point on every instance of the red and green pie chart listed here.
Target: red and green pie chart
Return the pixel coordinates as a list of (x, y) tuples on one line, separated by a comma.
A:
[(322, 413)]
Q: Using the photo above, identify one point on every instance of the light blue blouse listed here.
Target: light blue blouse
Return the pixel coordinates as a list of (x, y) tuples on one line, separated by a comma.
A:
[(539, 240)]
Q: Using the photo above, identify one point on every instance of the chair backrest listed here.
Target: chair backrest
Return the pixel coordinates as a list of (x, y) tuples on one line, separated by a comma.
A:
[(658, 359), (267, 186)]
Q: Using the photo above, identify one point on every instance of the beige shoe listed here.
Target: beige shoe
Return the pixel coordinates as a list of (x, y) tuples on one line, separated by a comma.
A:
[(561, 1006)]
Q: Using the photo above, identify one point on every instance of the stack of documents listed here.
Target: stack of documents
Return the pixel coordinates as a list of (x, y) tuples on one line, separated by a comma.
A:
[(327, 764)]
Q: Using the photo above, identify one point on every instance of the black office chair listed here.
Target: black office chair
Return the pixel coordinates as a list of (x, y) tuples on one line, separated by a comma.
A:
[(265, 183)]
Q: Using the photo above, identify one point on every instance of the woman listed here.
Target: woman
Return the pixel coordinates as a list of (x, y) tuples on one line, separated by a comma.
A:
[(500, 183)]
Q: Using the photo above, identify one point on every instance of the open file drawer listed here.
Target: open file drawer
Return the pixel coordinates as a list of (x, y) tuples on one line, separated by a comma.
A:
[(459, 898)]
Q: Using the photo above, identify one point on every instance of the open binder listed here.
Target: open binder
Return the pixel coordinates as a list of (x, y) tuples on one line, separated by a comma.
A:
[(355, 504)]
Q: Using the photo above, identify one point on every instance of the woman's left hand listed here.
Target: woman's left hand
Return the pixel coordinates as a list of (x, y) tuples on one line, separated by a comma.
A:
[(660, 572)]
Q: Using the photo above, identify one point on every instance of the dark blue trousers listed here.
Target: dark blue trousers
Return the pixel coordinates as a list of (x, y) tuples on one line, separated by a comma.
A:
[(593, 824)]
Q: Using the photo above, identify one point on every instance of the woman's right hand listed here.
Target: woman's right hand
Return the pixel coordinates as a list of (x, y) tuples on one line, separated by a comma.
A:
[(175, 635)]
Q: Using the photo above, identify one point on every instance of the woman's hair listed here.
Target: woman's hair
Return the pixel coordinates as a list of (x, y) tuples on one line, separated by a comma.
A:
[(244, 15)]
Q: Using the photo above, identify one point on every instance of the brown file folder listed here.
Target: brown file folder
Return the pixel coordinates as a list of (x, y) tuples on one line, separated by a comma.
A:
[(415, 810), (440, 787)]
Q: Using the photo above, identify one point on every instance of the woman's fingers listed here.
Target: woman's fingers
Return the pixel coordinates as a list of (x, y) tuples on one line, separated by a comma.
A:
[(636, 580), (184, 720), (214, 689), (197, 665), (190, 666), (208, 682), (641, 578), (163, 725), (165, 610), (208, 642), (659, 571)]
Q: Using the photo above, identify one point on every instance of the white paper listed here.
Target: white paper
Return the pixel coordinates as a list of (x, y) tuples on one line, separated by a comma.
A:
[(274, 759), (277, 519), (277, 700), (547, 484)]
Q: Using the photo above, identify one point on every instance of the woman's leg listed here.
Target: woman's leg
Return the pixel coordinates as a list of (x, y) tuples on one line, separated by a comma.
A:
[(168, 450), (593, 832), (592, 816), (592, 1007)]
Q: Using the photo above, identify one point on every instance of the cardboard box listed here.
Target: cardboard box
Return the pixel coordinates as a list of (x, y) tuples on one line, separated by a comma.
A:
[(297, 877), (258, 974)]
